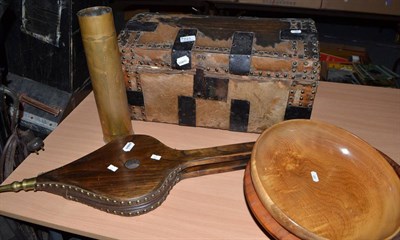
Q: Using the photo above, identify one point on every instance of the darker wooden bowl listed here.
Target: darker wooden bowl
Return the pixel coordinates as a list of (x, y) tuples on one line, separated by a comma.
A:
[(354, 195)]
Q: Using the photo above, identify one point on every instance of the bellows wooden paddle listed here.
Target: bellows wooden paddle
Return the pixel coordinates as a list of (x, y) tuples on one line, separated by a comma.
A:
[(133, 175)]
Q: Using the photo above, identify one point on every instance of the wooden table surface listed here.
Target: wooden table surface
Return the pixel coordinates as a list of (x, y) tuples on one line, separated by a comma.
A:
[(207, 207)]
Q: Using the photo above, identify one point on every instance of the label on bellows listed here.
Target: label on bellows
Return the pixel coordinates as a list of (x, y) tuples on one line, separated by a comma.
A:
[(314, 176), (155, 157), (128, 146), (182, 60), (190, 38), (112, 168)]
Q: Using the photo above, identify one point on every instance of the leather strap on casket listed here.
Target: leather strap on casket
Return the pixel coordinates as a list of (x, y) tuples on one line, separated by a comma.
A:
[(240, 55), (181, 55)]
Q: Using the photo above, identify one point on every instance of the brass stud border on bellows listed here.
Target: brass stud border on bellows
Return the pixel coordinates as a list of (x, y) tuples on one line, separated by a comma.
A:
[(120, 207)]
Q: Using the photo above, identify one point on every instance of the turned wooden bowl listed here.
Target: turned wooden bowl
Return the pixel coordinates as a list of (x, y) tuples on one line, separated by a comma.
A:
[(318, 181)]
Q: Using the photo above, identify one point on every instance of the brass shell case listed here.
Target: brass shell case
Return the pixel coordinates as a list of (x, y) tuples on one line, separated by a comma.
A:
[(104, 63)]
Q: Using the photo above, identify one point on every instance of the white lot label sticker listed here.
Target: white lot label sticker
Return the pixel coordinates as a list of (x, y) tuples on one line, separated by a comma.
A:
[(182, 60), (128, 146), (155, 157), (190, 38), (314, 176), (112, 168)]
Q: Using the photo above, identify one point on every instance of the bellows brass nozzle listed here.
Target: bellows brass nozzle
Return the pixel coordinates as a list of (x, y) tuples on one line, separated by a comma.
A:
[(26, 185)]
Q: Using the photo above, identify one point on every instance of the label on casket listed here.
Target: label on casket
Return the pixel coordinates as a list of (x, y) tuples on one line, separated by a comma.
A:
[(190, 38), (182, 60)]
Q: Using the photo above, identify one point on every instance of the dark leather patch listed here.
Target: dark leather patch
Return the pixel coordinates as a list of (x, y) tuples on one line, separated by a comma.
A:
[(240, 54), (135, 98), (293, 112), (134, 25), (239, 118), (210, 88), (187, 111)]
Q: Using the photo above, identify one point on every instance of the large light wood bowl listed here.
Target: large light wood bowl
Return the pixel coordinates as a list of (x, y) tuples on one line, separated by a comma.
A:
[(319, 181)]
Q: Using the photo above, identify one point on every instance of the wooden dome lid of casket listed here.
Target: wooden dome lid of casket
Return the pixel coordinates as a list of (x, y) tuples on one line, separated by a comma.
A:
[(318, 181)]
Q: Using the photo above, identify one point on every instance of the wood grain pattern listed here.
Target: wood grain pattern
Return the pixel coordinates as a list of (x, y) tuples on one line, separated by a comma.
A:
[(261, 213), (135, 180), (210, 207), (322, 182), (265, 218)]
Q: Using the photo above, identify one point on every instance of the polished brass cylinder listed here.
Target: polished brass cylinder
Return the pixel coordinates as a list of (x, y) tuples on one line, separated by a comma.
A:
[(104, 62)]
